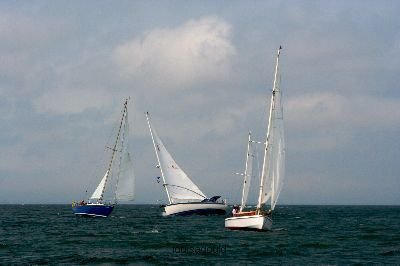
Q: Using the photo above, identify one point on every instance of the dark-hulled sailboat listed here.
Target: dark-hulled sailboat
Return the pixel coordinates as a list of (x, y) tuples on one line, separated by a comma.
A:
[(120, 166)]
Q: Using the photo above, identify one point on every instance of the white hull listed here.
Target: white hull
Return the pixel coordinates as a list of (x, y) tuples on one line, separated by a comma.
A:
[(253, 222), (202, 208)]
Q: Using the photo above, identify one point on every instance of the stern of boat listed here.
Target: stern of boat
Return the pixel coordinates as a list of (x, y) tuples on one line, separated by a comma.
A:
[(249, 222)]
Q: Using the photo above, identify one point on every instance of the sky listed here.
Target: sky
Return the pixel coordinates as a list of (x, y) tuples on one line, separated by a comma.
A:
[(204, 72)]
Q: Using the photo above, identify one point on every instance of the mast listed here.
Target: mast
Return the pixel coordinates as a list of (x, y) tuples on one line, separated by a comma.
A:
[(114, 149), (268, 132), (158, 158), (245, 180)]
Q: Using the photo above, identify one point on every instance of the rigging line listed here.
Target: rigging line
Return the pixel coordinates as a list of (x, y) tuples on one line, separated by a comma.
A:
[(125, 135), (113, 149)]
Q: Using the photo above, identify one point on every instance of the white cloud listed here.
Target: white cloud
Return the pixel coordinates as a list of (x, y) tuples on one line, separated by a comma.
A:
[(200, 50)]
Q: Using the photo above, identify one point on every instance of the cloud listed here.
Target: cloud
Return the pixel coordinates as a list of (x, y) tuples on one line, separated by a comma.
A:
[(328, 121), (161, 61), (24, 42), (71, 101), (200, 50)]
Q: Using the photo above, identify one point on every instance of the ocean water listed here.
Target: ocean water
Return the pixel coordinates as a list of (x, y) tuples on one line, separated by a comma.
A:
[(138, 234)]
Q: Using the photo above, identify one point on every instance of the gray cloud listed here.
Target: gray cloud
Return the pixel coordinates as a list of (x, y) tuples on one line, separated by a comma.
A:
[(198, 51)]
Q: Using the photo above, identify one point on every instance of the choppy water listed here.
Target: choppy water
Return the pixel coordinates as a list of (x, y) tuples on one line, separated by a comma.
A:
[(138, 234)]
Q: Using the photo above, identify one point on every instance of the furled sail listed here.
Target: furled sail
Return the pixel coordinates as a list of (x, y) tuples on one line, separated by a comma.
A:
[(178, 185)]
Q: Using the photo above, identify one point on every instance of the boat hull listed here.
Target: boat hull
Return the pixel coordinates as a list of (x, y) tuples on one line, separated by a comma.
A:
[(251, 222), (95, 210), (200, 208)]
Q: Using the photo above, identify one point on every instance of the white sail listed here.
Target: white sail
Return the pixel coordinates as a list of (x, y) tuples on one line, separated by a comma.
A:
[(97, 194), (126, 179), (126, 185), (178, 185), (247, 173), (276, 154), (274, 157)]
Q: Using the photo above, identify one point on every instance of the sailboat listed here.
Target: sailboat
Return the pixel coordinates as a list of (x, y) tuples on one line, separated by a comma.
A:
[(273, 168), (184, 196), (119, 167)]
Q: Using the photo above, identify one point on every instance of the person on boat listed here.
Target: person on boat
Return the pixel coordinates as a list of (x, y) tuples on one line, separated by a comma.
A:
[(235, 210), (82, 203)]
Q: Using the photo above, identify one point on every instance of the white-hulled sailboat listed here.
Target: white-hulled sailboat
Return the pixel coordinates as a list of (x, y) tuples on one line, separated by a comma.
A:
[(273, 168), (184, 197), (120, 166)]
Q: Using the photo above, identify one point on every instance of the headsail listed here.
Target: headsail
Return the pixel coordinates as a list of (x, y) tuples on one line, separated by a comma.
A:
[(274, 156), (178, 185), (97, 194)]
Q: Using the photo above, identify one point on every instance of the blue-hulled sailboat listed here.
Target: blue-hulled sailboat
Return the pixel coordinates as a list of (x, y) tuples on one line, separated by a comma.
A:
[(120, 167)]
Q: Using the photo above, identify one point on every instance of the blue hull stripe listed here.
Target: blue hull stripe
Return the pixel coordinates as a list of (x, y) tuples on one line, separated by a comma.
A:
[(201, 212)]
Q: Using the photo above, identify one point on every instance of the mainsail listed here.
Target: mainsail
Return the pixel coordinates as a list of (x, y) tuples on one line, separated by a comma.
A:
[(126, 185), (178, 185), (274, 157)]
